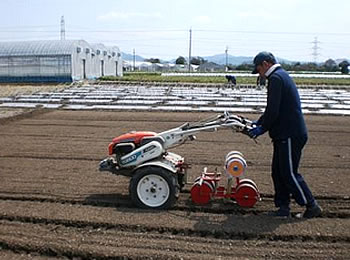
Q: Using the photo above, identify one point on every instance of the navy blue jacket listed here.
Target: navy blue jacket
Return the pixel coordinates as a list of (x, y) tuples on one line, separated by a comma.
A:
[(283, 117)]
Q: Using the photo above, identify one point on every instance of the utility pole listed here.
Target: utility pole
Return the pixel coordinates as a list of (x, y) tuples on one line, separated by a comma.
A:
[(315, 49), (133, 60), (63, 29), (189, 52), (226, 53)]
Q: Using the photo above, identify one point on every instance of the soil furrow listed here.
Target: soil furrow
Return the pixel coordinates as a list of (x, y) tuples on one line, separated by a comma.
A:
[(120, 244), (175, 222), (218, 234), (17, 254), (51, 158), (55, 203), (122, 201), (29, 113)]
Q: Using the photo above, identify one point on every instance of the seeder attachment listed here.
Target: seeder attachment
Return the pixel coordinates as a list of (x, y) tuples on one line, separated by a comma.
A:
[(204, 187), (244, 191)]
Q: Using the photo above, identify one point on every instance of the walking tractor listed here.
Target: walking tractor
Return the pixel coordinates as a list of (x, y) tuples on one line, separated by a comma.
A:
[(158, 175)]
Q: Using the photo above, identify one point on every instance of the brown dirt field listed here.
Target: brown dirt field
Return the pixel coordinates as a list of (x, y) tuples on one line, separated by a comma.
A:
[(7, 113), (16, 89), (55, 204)]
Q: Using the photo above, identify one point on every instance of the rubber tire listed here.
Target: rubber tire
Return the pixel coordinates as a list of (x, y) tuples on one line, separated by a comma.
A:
[(169, 178)]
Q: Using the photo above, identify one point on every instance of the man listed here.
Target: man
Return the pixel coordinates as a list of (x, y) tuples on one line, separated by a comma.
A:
[(231, 79), (284, 121)]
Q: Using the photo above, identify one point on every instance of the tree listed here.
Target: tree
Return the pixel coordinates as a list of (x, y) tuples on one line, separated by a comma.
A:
[(180, 60), (330, 65), (198, 60), (153, 60), (245, 66), (344, 67)]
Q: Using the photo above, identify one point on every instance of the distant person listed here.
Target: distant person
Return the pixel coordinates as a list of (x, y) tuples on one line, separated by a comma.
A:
[(231, 79), (284, 121)]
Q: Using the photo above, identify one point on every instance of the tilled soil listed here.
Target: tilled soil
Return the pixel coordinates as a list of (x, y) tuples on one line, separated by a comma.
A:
[(56, 204)]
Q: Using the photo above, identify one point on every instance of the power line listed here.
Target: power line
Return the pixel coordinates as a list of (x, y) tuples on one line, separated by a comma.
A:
[(270, 32), (27, 26), (175, 30), (209, 40)]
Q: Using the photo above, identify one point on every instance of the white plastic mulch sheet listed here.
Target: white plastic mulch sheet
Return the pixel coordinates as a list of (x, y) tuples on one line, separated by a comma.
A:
[(173, 98)]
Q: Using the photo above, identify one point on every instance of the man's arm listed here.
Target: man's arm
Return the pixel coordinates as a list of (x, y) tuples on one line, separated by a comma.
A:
[(273, 103)]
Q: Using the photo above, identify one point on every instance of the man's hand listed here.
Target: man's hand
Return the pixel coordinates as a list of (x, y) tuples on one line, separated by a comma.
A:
[(256, 131), (254, 123)]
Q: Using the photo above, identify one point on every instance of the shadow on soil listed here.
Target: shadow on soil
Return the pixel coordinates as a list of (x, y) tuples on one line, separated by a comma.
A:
[(235, 222), (113, 200), (121, 202), (241, 226), (218, 220)]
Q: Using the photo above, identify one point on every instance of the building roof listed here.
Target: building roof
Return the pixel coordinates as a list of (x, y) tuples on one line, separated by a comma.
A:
[(50, 47)]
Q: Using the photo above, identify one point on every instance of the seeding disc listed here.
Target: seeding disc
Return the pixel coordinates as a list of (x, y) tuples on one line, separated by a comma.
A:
[(235, 166), (233, 153), (248, 181), (197, 179), (201, 194), (246, 195), (210, 183)]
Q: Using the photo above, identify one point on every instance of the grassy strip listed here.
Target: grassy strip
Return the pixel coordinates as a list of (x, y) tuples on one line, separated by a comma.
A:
[(148, 77)]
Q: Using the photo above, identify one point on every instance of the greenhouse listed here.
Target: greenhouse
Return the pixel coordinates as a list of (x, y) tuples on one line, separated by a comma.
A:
[(57, 61)]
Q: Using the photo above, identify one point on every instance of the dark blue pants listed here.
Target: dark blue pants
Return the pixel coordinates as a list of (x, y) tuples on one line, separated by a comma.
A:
[(286, 179)]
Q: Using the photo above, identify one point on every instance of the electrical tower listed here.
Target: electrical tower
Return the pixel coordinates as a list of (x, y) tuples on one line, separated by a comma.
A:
[(315, 49), (63, 29)]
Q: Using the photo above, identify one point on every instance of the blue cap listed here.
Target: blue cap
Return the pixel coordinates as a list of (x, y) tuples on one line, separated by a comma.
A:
[(261, 57)]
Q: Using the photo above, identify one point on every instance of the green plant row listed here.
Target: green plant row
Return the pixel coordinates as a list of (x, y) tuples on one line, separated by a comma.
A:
[(147, 77)]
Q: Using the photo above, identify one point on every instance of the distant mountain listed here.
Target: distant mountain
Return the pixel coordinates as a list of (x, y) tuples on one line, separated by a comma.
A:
[(237, 60), (130, 57), (221, 59), (218, 59), (341, 60), (234, 60)]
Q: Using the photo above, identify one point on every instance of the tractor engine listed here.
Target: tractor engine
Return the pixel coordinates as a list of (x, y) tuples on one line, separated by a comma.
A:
[(131, 150), (126, 143)]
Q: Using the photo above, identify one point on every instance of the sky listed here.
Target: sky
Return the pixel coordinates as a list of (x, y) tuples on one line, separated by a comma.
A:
[(297, 30)]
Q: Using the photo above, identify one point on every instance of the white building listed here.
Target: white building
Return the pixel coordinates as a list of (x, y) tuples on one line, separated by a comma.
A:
[(57, 61)]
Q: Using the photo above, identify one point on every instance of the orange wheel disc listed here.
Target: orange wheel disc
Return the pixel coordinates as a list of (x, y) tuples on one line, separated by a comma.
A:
[(235, 167)]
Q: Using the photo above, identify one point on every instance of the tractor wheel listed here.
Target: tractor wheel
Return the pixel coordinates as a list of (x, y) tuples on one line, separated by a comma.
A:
[(153, 187)]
